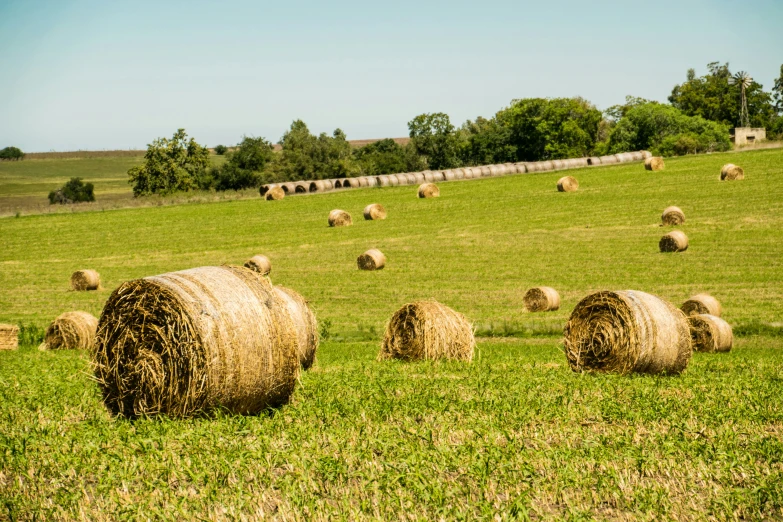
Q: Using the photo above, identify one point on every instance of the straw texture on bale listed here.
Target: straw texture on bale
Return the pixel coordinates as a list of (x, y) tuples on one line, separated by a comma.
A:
[(321, 185), (260, 264), (350, 183), (624, 157), (567, 184), (485, 171), (339, 218), (576, 163), (702, 304), (731, 172), (558, 164), (71, 331), (674, 241), (593, 161), (710, 333), (428, 330), (305, 323), (374, 211), (288, 188), (654, 163), (458, 173), (545, 166), (85, 280), (9, 337), (188, 342), (608, 160), (373, 259), (363, 181), (627, 331), (429, 190), (383, 181), (542, 299), (448, 175), (673, 216), (301, 187), (274, 194)]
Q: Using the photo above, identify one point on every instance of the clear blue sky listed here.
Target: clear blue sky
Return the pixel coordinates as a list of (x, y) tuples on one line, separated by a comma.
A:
[(117, 74)]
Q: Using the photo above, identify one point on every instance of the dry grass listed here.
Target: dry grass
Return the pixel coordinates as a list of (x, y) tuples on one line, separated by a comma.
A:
[(9, 337)]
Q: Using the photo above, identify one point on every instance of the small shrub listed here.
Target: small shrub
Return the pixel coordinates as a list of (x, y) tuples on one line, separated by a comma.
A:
[(11, 153), (75, 191), (220, 149), (30, 335)]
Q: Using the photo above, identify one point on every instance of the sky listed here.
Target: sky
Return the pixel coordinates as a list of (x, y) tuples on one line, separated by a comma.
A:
[(97, 75)]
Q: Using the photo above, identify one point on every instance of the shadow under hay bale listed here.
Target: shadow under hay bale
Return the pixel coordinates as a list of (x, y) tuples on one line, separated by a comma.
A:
[(567, 184), (674, 241), (260, 264), (710, 333), (542, 299), (428, 330), (654, 163), (305, 323), (339, 218), (82, 280), (625, 332), (374, 212), (71, 331), (429, 190), (702, 304), (731, 172), (9, 337), (373, 259), (672, 216), (188, 342), (274, 194)]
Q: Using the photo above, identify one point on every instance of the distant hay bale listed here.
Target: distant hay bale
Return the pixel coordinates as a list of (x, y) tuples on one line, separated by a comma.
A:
[(627, 331), (264, 189), (497, 170), (321, 185), (288, 188), (459, 173), (702, 304), (593, 161), (448, 175), (485, 172), (514, 168), (731, 172), (305, 323), (429, 190), (339, 218), (259, 263), (373, 259), (274, 194), (636, 156), (654, 163), (384, 181), (608, 160), (468, 173), (350, 183), (673, 216), (9, 337), (533, 166), (428, 330), (414, 178), (85, 280), (558, 164), (185, 343), (646, 154), (542, 299), (577, 163), (545, 166), (301, 187), (374, 211), (710, 333), (338, 183), (624, 157), (71, 331), (399, 180), (363, 181), (373, 181), (567, 184), (674, 241)]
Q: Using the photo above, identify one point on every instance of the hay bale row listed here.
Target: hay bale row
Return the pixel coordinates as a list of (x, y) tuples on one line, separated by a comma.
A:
[(9, 337), (71, 331), (83, 280)]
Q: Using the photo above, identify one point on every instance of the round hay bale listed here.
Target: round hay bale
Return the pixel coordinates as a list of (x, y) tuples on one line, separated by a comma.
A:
[(185, 343), (384, 181), (731, 172), (593, 161), (576, 163), (627, 331), (654, 163), (373, 181), (9, 337), (646, 154), (374, 211), (321, 185), (545, 166), (636, 156), (558, 164), (467, 173), (338, 183), (710, 333), (363, 182), (624, 157), (339, 218), (496, 170), (542, 299), (288, 188), (373, 259), (71, 331), (301, 187), (532, 166), (305, 323), (350, 183), (448, 175), (702, 304), (608, 160), (274, 194), (264, 189), (85, 280), (459, 173), (429, 190), (428, 330), (412, 178), (672, 216), (567, 184), (674, 241), (260, 264), (485, 172)]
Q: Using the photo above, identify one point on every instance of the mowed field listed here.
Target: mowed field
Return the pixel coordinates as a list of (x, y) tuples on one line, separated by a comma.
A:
[(513, 435)]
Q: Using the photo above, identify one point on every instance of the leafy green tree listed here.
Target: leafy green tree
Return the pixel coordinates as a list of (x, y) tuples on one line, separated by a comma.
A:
[(305, 156), (387, 157), (11, 153), (244, 166), (220, 149), (434, 138), (74, 191), (170, 165), (485, 141), (777, 92)]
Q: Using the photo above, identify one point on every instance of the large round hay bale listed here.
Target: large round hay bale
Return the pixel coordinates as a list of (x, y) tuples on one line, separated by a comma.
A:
[(627, 331), (9, 337), (384, 181), (567, 184), (373, 259), (593, 161), (542, 299), (428, 330), (576, 163), (350, 183), (558, 164), (674, 241), (305, 323), (85, 280), (259, 263), (458, 173), (646, 154), (485, 171), (545, 166), (321, 185), (654, 163), (731, 172), (339, 218), (71, 331), (288, 188), (702, 304), (610, 159), (672, 216), (429, 190), (189, 342), (274, 194), (374, 211), (301, 187), (710, 333)]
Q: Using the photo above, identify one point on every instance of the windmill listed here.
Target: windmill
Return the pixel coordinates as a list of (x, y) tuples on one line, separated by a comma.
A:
[(744, 80)]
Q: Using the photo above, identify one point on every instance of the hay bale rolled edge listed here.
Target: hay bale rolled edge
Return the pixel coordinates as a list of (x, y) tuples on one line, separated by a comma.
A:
[(567, 184), (274, 194), (305, 323), (259, 263), (9, 337), (429, 190), (731, 172), (593, 161), (702, 304), (339, 218), (541, 299), (710, 333), (674, 241), (374, 211), (672, 216), (71, 331), (373, 259), (654, 163), (82, 280)]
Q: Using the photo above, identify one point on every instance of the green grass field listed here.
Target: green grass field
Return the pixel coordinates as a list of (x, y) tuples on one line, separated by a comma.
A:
[(515, 434)]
